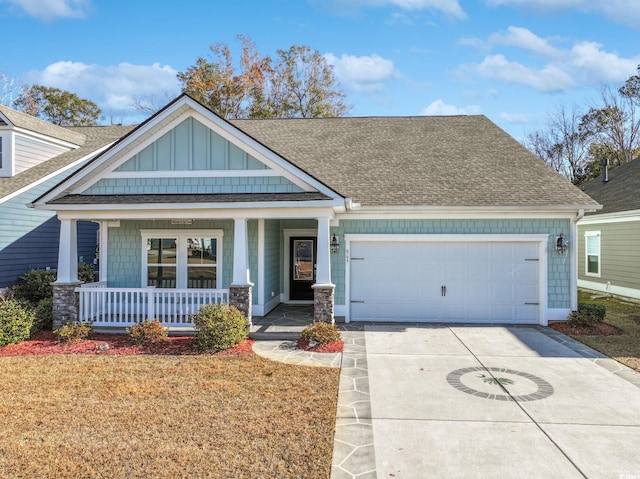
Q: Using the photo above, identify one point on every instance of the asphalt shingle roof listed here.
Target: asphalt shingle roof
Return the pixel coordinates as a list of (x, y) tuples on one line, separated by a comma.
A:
[(31, 123), (95, 137), (448, 161), (621, 192)]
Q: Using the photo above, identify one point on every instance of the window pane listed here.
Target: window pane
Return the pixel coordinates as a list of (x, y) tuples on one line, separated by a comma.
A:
[(303, 260), (593, 264), (593, 245), (201, 277), (161, 276), (201, 251), (161, 251)]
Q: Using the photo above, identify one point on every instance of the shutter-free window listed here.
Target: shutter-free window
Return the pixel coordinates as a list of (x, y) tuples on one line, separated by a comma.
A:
[(592, 246)]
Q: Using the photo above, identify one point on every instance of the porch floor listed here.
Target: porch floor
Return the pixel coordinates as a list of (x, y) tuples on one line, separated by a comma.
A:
[(284, 322)]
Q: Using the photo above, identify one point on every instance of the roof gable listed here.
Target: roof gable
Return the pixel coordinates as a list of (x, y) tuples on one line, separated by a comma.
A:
[(622, 190)]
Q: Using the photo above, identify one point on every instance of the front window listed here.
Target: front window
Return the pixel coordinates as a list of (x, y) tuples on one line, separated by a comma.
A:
[(183, 259), (592, 253)]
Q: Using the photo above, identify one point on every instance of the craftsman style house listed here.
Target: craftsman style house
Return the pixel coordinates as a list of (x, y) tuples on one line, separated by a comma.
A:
[(395, 219)]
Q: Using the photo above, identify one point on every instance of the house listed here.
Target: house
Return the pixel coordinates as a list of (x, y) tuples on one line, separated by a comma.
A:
[(34, 157), (609, 239), (390, 219)]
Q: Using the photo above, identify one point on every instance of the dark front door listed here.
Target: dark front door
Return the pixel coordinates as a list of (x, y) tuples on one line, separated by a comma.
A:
[(302, 272)]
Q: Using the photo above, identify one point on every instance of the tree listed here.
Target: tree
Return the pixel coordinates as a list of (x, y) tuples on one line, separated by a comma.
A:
[(300, 83), (57, 106)]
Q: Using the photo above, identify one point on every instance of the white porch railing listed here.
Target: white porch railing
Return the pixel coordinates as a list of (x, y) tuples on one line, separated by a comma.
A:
[(123, 307)]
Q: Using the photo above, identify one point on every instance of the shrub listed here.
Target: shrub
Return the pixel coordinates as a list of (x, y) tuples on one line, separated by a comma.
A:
[(35, 285), (73, 331), (219, 326), (86, 274), (147, 332), (16, 321), (44, 314), (321, 333), (587, 314)]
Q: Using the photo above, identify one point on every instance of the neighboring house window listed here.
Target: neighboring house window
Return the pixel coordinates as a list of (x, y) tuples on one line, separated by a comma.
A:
[(182, 259), (592, 253)]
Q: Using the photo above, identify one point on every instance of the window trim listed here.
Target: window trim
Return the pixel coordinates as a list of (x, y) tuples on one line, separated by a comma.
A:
[(588, 234), (181, 237)]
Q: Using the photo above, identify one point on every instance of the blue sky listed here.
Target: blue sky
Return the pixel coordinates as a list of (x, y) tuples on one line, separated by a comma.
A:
[(511, 60)]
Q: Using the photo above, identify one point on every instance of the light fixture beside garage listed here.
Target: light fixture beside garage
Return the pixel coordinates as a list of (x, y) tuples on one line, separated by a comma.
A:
[(335, 244), (561, 245)]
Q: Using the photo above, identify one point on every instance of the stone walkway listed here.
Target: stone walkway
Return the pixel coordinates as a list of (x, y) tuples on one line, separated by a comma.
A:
[(286, 352)]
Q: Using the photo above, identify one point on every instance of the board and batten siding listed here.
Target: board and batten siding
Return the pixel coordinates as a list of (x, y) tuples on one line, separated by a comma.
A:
[(558, 267), (29, 238), (29, 152), (619, 254)]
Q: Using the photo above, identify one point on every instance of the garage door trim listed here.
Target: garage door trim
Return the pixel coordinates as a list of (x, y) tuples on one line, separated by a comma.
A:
[(540, 239)]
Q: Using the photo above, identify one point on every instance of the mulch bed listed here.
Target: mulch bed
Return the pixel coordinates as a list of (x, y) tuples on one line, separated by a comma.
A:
[(334, 347), (45, 342), (598, 329)]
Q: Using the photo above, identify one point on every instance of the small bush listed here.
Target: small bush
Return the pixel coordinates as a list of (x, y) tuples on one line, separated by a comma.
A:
[(44, 314), (34, 286), (219, 327), (73, 331), (147, 332), (321, 333), (16, 321), (86, 274), (587, 314)]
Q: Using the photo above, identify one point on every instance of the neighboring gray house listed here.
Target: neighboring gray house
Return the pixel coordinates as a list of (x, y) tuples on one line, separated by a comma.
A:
[(609, 240), (35, 156), (370, 219)]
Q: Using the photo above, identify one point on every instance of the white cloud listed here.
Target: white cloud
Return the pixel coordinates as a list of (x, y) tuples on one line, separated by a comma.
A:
[(450, 8), (525, 39), (49, 10), (113, 88), (440, 108), (514, 118), (365, 73), (597, 66), (622, 11), (547, 79)]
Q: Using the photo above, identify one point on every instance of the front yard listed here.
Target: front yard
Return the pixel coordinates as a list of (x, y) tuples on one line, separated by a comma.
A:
[(624, 315), (235, 416)]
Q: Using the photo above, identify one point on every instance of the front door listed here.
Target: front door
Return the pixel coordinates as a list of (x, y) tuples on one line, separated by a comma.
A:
[(302, 273)]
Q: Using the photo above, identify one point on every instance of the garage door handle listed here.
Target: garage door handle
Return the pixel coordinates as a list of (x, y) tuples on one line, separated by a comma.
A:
[(443, 290), (532, 259), (353, 259), (535, 304), (356, 301)]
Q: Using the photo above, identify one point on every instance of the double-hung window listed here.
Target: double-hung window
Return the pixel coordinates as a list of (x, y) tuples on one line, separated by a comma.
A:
[(592, 253), (182, 258)]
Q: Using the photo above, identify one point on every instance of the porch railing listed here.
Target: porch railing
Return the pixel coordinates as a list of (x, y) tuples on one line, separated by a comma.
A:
[(123, 307)]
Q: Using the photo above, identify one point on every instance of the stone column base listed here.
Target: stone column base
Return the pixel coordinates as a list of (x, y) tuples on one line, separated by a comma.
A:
[(323, 303), (240, 297), (65, 303)]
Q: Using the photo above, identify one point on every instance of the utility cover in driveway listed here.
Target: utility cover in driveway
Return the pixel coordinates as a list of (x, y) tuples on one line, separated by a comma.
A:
[(455, 281)]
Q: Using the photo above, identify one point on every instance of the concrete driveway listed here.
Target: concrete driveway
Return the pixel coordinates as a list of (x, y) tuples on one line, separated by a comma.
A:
[(438, 401)]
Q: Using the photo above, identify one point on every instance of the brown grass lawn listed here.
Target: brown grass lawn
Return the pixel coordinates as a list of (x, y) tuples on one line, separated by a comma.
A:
[(164, 417), (624, 315)]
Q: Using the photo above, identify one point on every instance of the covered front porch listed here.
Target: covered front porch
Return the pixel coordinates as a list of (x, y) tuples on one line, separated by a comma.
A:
[(167, 269)]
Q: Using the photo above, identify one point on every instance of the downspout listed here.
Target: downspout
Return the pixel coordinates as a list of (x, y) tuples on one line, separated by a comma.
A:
[(574, 260)]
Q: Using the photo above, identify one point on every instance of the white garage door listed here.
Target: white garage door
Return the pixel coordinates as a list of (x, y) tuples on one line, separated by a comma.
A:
[(455, 282)]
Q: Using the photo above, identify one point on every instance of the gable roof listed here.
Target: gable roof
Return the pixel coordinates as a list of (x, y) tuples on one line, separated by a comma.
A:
[(31, 123), (95, 137), (446, 161), (621, 192)]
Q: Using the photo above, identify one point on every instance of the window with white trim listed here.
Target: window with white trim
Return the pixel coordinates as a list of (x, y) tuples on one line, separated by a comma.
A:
[(182, 258), (592, 253)]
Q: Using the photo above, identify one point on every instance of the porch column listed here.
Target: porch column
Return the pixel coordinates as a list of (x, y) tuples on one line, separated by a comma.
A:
[(240, 288), (65, 304), (323, 289)]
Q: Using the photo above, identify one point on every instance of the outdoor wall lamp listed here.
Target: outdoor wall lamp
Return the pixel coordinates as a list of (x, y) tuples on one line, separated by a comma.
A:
[(335, 244), (561, 245)]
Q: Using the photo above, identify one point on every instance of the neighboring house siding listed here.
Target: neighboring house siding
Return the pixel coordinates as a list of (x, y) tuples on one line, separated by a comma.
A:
[(132, 186), (31, 152), (29, 238), (619, 254), (191, 146), (558, 267), (273, 259), (124, 263)]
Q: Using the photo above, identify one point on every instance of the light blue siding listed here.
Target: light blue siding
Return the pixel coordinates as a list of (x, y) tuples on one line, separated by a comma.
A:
[(29, 238), (133, 186), (191, 146), (558, 267), (272, 258)]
